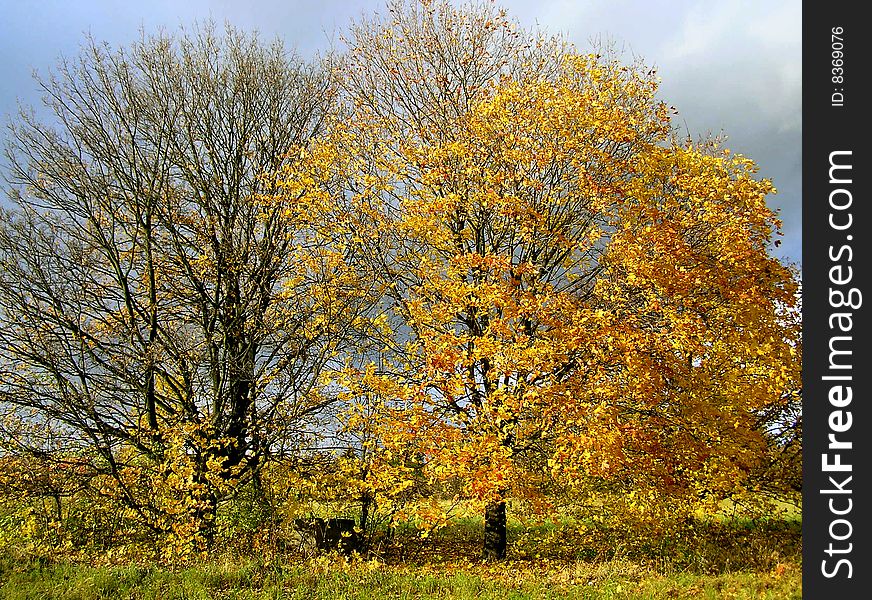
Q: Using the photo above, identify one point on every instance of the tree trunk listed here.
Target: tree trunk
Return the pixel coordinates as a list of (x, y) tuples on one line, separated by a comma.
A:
[(203, 516), (495, 531), (365, 503)]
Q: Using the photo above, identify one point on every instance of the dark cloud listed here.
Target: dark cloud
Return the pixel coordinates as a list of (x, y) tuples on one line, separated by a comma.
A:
[(732, 67)]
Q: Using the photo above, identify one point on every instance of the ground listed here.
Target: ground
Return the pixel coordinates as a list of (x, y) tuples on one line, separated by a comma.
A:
[(740, 560)]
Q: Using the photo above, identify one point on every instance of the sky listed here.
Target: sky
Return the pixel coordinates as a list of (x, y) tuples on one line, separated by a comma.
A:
[(731, 67)]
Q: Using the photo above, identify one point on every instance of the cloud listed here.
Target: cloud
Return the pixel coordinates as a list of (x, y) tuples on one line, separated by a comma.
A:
[(742, 55), (732, 66)]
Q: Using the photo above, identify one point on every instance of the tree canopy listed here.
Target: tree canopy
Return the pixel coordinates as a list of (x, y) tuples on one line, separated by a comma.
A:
[(481, 261)]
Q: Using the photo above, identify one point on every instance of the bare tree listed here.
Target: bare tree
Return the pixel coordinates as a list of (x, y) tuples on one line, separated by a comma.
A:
[(149, 287)]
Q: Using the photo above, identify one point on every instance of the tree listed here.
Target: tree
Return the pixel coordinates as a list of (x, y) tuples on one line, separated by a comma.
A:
[(160, 316), (574, 295)]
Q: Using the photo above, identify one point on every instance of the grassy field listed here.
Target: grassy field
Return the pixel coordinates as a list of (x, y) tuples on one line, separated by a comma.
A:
[(740, 560), (371, 580)]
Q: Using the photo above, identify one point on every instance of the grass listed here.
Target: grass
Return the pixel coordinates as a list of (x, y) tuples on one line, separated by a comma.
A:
[(731, 560), (367, 580)]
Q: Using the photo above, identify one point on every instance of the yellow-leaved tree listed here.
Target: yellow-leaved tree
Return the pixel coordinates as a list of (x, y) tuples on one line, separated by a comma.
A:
[(572, 296)]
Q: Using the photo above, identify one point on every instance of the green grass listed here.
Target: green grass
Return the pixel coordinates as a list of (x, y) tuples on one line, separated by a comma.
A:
[(706, 558), (335, 579)]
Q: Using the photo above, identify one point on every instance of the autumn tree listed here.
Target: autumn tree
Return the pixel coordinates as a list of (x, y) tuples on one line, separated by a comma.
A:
[(159, 316), (572, 294)]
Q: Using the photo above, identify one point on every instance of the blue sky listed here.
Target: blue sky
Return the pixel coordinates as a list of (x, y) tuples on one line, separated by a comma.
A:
[(731, 67)]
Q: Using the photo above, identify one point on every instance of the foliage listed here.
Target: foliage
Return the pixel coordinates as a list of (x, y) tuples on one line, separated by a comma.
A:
[(573, 298), (462, 268)]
